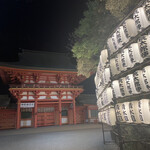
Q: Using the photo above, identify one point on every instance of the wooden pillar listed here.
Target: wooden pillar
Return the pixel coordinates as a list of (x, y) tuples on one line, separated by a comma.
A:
[(89, 115), (74, 111), (35, 114), (18, 114), (60, 117)]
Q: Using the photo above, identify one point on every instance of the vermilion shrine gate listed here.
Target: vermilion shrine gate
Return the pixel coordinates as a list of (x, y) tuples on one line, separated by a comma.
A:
[(43, 97)]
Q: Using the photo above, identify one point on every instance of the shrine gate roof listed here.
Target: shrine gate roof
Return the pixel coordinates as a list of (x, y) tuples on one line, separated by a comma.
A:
[(43, 60)]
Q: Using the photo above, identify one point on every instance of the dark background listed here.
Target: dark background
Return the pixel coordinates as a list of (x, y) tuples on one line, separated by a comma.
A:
[(42, 25)]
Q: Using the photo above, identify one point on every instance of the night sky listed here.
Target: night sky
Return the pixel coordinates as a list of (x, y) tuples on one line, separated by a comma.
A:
[(42, 25)]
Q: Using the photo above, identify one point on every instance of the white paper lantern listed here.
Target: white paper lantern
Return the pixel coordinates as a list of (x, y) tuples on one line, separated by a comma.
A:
[(109, 94), (146, 76), (99, 103), (126, 62), (107, 116), (134, 111), (123, 87), (140, 18), (114, 39), (113, 68), (111, 116), (106, 97), (122, 68), (119, 113), (99, 89), (103, 117), (111, 46), (130, 84), (126, 112), (144, 110), (99, 117), (116, 89), (117, 63), (121, 37), (130, 28), (123, 61), (104, 57), (147, 9), (134, 53), (100, 68), (139, 81), (144, 45), (97, 79), (106, 75)]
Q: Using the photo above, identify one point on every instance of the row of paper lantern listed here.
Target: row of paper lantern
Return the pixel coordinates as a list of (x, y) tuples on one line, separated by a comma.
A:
[(103, 60), (135, 53), (135, 83), (101, 67), (101, 81), (130, 28), (105, 98), (134, 111), (103, 74), (128, 112), (107, 116)]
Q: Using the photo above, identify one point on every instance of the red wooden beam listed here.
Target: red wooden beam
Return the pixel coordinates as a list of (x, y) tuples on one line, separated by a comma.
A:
[(74, 111), (18, 115), (35, 114)]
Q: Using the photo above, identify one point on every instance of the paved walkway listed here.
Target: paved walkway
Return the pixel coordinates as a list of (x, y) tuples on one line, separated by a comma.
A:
[(49, 129), (67, 137)]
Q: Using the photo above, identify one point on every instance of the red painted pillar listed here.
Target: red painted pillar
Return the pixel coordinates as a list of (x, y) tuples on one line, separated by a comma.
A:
[(18, 115), (74, 111), (35, 114), (60, 122)]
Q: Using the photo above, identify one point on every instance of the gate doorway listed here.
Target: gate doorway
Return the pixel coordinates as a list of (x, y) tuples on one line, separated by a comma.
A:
[(26, 117), (46, 116), (64, 114)]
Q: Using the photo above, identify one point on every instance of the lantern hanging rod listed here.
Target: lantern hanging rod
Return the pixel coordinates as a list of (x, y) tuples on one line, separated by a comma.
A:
[(132, 70), (134, 124), (107, 85), (106, 107), (133, 97)]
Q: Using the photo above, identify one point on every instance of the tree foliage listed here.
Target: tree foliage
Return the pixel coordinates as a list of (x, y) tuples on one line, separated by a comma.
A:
[(120, 8), (98, 21)]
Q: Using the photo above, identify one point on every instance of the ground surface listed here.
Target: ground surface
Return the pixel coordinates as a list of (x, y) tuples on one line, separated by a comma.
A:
[(79, 137)]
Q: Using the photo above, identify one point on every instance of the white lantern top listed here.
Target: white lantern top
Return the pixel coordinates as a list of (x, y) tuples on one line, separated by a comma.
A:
[(134, 53), (144, 46), (146, 76), (139, 81), (116, 89), (140, 18), (130, 28), (130, 84)]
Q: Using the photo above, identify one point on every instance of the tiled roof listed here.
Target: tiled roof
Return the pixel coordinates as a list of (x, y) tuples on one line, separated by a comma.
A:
[(43, 59), (86, 99)]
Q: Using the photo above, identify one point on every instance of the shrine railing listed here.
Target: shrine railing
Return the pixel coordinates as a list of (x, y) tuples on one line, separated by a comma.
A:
[(42, 86)]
